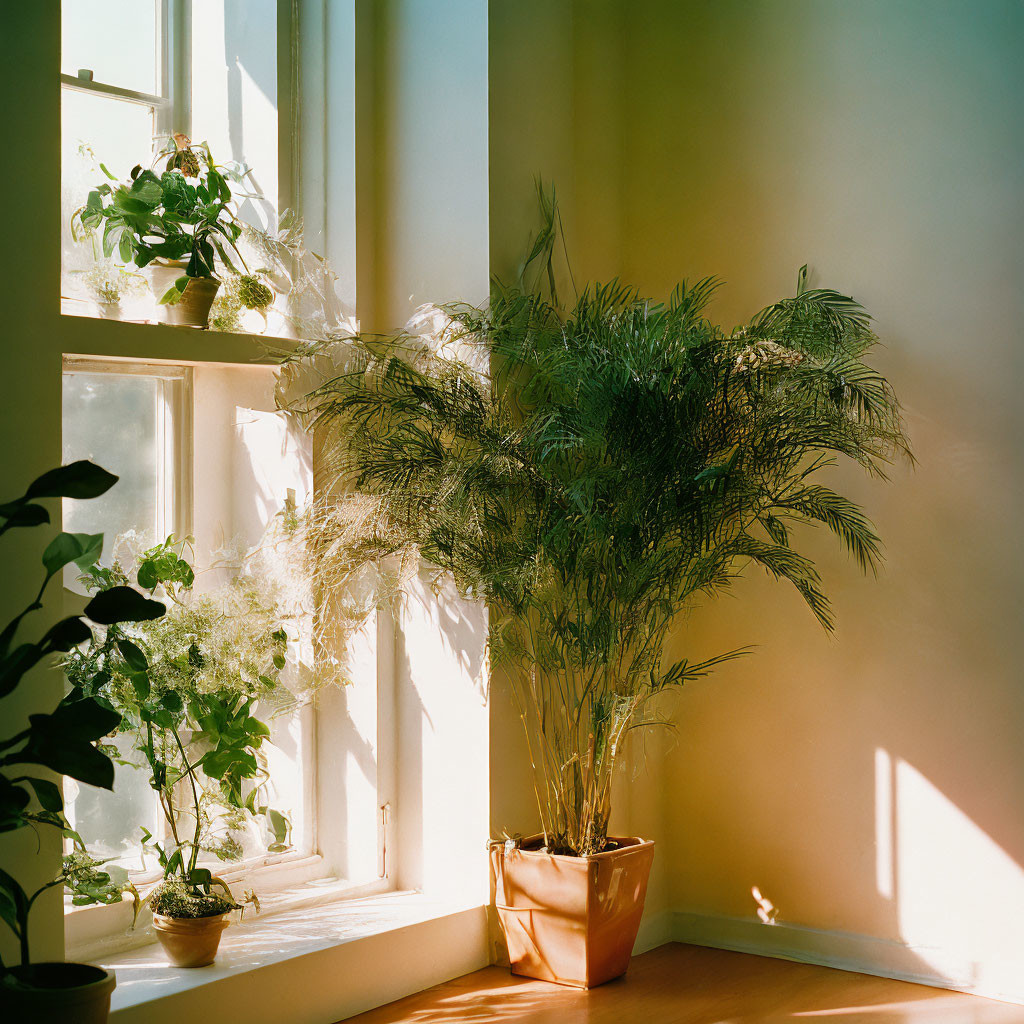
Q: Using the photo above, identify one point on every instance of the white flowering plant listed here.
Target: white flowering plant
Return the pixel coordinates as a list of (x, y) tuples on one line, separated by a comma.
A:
[(191, 695)]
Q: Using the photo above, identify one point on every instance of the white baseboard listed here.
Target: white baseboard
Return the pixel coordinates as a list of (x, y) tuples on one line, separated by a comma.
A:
[(863, 954), (655, 930)]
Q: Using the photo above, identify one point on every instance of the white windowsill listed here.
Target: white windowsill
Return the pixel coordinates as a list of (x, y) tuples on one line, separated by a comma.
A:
[(315, 963), (96, 932)]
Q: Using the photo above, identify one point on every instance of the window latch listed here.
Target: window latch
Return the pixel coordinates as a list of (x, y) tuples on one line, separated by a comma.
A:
[(385, 817)]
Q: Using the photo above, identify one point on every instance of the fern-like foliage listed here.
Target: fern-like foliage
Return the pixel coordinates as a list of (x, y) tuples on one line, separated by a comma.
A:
[(588, 470)]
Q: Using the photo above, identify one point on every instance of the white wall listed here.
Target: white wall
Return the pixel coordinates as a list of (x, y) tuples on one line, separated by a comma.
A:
[(869, 785), (234, 94)]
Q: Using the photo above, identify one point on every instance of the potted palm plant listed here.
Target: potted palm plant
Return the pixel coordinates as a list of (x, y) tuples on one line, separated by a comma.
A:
[(588, 470), (64, 742)]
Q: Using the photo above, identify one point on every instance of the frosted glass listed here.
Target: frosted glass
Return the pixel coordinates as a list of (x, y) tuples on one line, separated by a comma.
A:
[(95, 130), (110, 822), (113, 420), (115, 39)]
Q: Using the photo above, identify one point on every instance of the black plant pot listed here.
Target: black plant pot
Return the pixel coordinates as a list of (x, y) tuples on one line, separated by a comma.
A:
[(57, 992)]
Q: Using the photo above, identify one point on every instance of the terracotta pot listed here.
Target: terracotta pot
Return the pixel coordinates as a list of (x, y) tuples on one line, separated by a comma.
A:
[(190, 941), (571, 920), (57, 992), (193, 308)]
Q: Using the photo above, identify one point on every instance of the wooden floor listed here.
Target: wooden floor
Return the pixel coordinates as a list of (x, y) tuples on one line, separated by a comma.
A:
[(679, 984)]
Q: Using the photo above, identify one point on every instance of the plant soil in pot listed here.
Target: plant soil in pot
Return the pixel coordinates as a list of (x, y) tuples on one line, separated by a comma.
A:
[(192, 308), (56, 992), (571, 920), (190, 941)]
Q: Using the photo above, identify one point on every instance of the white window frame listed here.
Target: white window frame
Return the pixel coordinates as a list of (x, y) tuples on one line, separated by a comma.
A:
[(172, 106), (96, 930), (174, 433)]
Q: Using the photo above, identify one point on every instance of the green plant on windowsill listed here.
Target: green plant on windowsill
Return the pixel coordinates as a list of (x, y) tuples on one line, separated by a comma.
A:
[(188, 690), (64, 741), (181, 220), (110, 284)]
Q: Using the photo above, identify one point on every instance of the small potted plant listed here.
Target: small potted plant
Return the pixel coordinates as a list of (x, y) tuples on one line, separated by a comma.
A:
[(187, 689), (589, 471), (189, 917), (64, 742), (180, 223), (110, 284)]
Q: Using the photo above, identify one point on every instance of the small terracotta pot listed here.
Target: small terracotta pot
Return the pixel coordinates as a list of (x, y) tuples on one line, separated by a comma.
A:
[(57, 992), (571, 920), (193, 308), (190, 941)]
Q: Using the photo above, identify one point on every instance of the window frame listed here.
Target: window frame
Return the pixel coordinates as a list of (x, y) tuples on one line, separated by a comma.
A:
[(172, 106), (96, 930), (174, 425)]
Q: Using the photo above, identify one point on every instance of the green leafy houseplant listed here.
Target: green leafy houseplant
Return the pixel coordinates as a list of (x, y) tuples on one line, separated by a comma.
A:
[(588, 470), (65, 740), (186, 689), (184, 213)]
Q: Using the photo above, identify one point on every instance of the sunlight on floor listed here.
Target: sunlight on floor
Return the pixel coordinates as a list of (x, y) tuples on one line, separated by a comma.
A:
[(679, 984)]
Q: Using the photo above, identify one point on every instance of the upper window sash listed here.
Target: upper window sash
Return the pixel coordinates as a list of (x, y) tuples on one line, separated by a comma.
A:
[(172, 106)]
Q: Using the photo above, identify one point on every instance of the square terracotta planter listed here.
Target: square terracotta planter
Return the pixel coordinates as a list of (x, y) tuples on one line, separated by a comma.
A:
[(571, 920)]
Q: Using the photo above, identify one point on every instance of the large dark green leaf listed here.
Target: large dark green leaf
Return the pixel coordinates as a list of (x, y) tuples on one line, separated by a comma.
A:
[(24, 514), (122, 604), (13, 801), (48, 794), (81, 548), (82, 719), (171, 701), (140, 681), (76, 758), (67, 633), (81, 479), (133, 655)]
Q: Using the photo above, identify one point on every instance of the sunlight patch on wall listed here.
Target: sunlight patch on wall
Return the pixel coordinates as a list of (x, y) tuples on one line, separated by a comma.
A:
[(959, 896)]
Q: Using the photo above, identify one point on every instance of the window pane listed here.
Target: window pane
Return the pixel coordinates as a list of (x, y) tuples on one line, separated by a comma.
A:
[(95, 130), (110, 823), (115, 39), (114, 420)]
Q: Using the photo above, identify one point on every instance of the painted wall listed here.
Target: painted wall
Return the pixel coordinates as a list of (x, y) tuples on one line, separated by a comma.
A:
[(871, 784)]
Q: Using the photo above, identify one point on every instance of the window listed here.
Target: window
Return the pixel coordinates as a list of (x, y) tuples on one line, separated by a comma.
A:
[(200, 450), (134, 420), (115, 100), (135, 72)]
